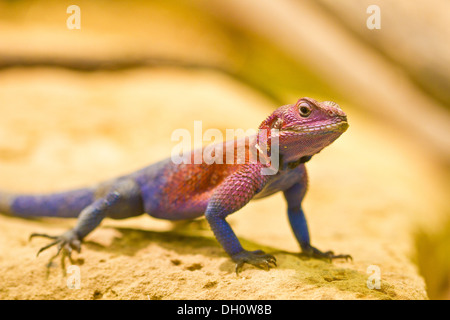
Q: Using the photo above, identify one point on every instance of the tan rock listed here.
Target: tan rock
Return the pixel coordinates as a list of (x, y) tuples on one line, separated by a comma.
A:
[(66, 129)]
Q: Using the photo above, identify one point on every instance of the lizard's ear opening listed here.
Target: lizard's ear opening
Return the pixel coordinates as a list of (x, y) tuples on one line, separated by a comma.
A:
[(276, 124), (272, 122)]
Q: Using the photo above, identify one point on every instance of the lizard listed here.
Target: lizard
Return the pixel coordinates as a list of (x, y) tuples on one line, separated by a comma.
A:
[(185, 191)]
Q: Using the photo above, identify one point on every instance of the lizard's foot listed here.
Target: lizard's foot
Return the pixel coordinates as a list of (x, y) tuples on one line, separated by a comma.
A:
[(312, 252), (257, 258), (66, 243)]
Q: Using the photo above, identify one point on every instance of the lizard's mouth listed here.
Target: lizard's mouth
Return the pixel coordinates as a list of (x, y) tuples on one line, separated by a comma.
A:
[(338, 126)]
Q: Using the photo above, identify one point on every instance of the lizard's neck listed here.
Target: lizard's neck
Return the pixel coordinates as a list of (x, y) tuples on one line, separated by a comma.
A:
[(265, 158), (293, 164)]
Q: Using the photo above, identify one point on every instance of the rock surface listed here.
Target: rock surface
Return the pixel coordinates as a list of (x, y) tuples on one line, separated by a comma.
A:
[(62, 129)]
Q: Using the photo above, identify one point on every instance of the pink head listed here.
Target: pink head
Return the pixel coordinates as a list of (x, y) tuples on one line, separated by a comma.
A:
[(305, 128)]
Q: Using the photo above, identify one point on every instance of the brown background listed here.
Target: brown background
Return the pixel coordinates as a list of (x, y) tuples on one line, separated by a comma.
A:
[(80, 106)]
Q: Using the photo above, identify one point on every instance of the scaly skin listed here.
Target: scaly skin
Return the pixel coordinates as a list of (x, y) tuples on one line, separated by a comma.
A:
[(185, 191)]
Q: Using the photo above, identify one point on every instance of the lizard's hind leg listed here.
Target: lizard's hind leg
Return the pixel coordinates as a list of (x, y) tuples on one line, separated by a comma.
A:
[(121, 200)]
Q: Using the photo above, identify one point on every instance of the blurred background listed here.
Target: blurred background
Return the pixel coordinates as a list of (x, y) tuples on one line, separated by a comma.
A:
[(90, 103)]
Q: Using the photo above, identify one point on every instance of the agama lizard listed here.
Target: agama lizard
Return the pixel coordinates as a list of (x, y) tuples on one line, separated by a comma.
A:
[(186, 191)]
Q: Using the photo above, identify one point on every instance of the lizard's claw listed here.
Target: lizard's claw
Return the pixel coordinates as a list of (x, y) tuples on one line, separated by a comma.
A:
[(67, 242), (313, 252), (257, 258)]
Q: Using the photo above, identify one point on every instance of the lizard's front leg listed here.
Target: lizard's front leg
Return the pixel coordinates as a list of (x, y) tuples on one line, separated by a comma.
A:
[(235, 192), (294, 196)]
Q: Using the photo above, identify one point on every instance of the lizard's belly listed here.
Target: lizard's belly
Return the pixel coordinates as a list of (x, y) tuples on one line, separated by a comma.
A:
[(175, 203), (179, 207)]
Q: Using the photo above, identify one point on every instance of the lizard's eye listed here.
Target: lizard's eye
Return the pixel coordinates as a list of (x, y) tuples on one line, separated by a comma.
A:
[(304, 109)]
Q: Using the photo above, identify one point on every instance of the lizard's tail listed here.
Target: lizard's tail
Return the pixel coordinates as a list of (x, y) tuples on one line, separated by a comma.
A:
[(63, 204)]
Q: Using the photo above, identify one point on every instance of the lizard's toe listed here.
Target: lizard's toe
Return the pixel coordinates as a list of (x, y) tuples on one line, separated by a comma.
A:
[(313, 252), (257, 258), (66, 243)]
